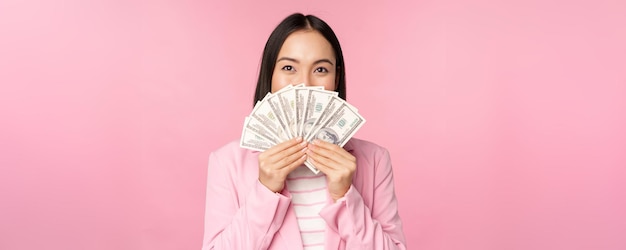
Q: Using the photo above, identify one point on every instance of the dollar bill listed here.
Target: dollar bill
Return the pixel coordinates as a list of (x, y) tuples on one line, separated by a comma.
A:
[(264, 113), (253, 141), (302, 96), (273, 102), (341, 126), (287, 101), (315, 106), (310, 112), (331, 108)]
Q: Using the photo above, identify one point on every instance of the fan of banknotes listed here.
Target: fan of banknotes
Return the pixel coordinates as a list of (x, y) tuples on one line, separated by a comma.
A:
[(309, 112)]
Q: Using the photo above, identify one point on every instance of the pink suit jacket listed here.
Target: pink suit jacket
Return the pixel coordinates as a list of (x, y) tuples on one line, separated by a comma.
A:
[(241, 213)]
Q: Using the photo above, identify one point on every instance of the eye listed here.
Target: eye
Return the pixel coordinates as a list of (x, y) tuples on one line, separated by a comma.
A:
[(287, 68), (321, 70)]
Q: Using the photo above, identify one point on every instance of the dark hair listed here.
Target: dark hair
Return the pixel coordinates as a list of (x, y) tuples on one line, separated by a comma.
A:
[(292, 23)]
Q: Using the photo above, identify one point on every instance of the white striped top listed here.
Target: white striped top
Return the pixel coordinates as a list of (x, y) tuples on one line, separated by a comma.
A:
[(309, 196)]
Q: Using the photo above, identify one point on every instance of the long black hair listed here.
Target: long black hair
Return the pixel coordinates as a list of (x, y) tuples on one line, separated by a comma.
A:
[(292, 23)]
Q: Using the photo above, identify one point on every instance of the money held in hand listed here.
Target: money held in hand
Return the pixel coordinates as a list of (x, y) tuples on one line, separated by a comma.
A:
[(309, 112)]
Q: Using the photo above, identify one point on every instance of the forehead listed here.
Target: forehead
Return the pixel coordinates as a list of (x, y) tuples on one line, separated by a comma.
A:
[(307, 45)]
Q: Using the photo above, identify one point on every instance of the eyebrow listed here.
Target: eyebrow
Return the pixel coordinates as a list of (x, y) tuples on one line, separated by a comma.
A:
[(296, 61)]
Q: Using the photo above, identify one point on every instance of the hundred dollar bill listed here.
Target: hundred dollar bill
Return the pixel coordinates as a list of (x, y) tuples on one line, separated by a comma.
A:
[(315, 106), (336, 125), (273, 101), (317, 101), (257, 127), (287, 100), (264, 114), (330, 109), (302, 95), (253, 141), (341, 126), (310, 112)]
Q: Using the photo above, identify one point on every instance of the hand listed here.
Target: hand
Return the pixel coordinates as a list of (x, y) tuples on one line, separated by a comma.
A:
[(278, 161), (336, 163)]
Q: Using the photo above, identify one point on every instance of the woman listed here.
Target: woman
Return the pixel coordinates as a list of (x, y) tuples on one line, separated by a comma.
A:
[(270, 200)]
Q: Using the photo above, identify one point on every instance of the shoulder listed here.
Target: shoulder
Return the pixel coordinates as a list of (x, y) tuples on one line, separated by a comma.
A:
[(361, 146), (231, 148), (367, 151), (232, 152)]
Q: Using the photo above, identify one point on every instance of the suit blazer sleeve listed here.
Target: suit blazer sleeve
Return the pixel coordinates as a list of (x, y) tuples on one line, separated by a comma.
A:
[(232, 222), (363, 227)]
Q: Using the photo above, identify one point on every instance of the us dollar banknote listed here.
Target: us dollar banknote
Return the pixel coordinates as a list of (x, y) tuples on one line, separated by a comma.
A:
[(315, 106), (340, 126), (253, 141), (306, 111), (265, 114)]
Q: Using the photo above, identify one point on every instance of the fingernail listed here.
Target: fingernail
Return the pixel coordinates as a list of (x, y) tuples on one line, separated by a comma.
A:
[(299, 138)]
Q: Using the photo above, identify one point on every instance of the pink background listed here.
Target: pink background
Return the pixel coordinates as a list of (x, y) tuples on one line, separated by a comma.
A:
[(506, 120)]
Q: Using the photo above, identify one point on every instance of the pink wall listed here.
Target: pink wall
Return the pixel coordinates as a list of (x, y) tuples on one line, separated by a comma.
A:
[(505, 121)]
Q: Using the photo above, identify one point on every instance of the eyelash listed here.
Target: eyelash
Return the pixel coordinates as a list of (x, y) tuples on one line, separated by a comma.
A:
[(324, 70), (318, 70)]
